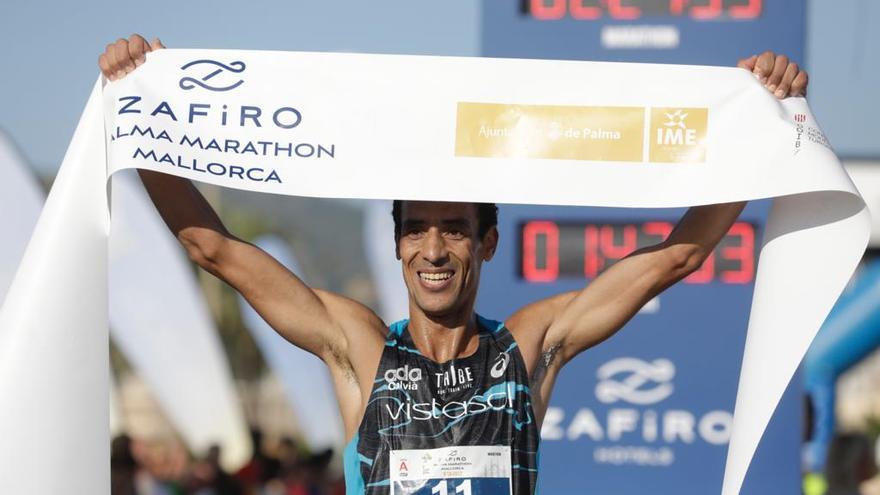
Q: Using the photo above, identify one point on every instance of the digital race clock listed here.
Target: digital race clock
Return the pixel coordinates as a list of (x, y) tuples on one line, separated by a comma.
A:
[(550, 250), (636, 9)]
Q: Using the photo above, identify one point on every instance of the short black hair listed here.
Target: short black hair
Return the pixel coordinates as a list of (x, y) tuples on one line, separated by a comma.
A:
[(487, 217)]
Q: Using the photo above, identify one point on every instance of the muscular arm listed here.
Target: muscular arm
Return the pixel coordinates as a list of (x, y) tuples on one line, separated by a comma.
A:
[(325, 324), (317, 321), (578, 320), (551, 332)]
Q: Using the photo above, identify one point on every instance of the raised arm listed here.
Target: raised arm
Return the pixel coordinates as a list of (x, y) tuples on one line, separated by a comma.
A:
[(578, 320), (325, 324), (557, 329)]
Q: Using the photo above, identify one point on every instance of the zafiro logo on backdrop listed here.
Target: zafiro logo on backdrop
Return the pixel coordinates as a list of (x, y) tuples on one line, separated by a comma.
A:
[(626, 379), (638, 430), (230, 139), (215, 68)]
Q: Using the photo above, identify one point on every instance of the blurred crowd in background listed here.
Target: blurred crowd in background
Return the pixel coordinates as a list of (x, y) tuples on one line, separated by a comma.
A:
[(285, 468), (851, 468)]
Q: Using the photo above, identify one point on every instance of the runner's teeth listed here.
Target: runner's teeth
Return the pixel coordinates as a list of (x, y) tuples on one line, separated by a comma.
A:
[(435, 277)]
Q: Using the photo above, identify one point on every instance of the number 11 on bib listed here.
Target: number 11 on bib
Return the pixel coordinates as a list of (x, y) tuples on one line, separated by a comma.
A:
[(470, 470)]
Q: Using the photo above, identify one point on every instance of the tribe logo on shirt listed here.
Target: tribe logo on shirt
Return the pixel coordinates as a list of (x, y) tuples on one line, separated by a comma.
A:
[(454, 379)]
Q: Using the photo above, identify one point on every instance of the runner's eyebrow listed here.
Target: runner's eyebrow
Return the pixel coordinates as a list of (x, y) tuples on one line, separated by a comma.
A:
[(412, 224), (456, 222)]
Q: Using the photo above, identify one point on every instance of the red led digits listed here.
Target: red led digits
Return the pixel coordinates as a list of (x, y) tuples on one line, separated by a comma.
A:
[(610, 249), (552, 250), (591, 251), (540, 10), (743, 254), (600, 246), (533, 271), (709, 11), (583, 12), (625, 12), (676, 7), (657, 229), (628, 10), (749, 11)]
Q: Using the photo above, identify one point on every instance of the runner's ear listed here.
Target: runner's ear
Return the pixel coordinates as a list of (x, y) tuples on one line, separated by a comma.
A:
[(490, 243)]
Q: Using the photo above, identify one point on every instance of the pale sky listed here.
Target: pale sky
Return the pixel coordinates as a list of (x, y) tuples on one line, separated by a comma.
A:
[(50, 48), (49, 53)]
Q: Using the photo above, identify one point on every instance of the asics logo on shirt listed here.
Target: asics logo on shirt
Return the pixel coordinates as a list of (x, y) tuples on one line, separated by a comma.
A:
[(500, 365)]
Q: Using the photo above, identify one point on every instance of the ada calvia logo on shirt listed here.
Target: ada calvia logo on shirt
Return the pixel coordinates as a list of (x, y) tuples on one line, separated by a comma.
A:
[(403, 378)]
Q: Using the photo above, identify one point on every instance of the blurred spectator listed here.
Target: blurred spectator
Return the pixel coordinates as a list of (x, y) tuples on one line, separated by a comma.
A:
[(850, 462), (309, 475), (209, 478), (260, 468), (288, 455), (130, 470), (123, 467), (165, 468)]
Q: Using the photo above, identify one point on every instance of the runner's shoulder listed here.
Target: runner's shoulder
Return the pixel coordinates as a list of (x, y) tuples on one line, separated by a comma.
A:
[(536, 317), (529, 325), (355, 319)]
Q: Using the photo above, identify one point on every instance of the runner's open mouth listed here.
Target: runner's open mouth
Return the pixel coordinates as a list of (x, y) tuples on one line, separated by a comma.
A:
[(436, 277)]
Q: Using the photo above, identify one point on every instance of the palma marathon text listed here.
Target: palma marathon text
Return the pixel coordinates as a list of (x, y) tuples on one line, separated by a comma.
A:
[(195, 113)]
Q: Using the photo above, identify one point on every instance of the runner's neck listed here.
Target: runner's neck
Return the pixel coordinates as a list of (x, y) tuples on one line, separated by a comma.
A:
[(443, 340)]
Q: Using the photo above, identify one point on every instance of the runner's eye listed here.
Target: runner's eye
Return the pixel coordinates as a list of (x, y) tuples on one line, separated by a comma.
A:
[(414, 233)]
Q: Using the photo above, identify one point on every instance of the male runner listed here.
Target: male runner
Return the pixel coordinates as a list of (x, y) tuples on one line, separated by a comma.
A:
[(446, 377)]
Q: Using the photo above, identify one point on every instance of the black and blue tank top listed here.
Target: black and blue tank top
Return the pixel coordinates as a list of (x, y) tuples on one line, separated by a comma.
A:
[(461, 427)]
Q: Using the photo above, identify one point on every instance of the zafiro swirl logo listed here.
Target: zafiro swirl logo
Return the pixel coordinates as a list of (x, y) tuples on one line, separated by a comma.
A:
[(625, 379), (189, 82)]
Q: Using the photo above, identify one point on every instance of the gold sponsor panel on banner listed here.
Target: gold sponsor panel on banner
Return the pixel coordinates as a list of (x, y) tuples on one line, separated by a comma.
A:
[(678, 135), (491, 130)]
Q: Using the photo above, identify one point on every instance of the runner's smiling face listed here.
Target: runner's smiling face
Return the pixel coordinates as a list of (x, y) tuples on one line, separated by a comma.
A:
[(441, 253)]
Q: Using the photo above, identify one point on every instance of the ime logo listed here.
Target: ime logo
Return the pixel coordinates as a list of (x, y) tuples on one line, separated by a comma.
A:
[(679, 135), (211, 69), (675, 131)]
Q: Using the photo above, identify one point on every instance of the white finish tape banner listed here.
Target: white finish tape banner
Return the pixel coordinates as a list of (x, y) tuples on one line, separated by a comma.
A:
[(159, 318), (458, 129)]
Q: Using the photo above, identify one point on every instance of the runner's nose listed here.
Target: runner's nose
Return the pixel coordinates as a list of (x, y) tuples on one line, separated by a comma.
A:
[(434, 249)]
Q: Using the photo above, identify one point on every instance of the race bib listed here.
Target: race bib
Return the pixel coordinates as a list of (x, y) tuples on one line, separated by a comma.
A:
[(471, 470)]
